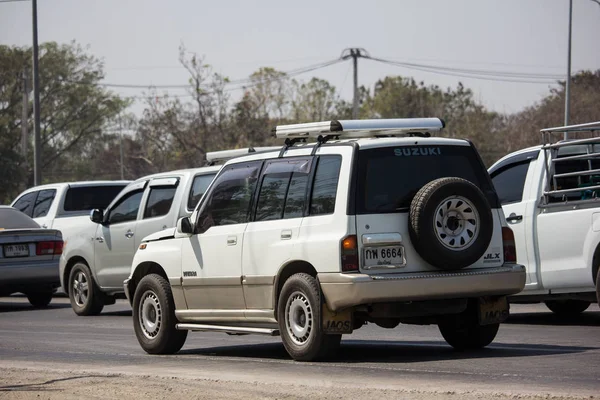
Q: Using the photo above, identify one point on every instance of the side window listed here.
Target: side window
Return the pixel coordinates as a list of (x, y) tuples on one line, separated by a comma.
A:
[(296, 196), (43, 202), (325, 185), (229, 199), (509, 182), (25, 203), (283, 189), (159, 201), (127, 209), (199, 186)]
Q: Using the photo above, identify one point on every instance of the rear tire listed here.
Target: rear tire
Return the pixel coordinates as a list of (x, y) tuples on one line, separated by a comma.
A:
[(84, 294), (39, 299), (154, 318), (568, 308), (299, 316)]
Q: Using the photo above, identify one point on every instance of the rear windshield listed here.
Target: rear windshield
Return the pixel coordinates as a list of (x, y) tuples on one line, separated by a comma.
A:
[(11, 218), (87, 198), (389, 178)]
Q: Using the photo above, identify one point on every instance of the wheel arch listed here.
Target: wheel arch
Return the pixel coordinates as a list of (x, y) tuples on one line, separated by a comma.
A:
[(141, 270), (596, 263), (285, 272)]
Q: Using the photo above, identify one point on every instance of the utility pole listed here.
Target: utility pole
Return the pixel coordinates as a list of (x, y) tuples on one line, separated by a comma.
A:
[(355, 54), (121, 147), (24, 115), (568, 83), (37, 148)]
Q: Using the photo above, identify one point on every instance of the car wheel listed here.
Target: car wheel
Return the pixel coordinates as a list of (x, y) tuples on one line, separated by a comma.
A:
[(567, 308), (84, 294), (299, 316), (465, 333), (451, 223), (39, 299), (154, 318)]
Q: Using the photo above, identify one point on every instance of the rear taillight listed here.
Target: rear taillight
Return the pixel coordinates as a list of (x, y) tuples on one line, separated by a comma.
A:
[(508, 243), (349, 253), (49, 248)]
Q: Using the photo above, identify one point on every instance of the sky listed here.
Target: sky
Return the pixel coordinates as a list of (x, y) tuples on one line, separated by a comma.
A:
[(139, 39)]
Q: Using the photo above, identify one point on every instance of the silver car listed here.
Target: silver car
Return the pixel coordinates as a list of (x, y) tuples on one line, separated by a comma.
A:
[(29, 257)]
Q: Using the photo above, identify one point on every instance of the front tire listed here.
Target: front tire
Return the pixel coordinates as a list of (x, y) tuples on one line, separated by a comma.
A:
[(567, 308), (39, 299), (299, 317), (154, 318), (84, 294), (465, 333)]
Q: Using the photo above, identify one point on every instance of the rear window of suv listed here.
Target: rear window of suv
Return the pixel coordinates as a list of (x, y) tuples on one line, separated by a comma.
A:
[(389, 178), (85, 198)]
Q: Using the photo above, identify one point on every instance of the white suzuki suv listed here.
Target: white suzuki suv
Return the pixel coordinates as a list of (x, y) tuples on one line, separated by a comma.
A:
[(375, 222)]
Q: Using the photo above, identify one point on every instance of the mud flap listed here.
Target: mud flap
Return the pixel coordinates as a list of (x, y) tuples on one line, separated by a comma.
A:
[(336, 322), (492, 310)]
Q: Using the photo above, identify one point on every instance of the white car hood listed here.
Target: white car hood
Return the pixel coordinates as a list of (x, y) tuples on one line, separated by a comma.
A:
[(161, 235)]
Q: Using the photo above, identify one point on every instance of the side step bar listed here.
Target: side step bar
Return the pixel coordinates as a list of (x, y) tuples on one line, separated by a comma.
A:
[(235, 330)]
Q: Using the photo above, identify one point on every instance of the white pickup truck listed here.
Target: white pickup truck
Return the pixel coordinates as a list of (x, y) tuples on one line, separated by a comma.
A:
[(66, 206), (550, 197), (95, 264)]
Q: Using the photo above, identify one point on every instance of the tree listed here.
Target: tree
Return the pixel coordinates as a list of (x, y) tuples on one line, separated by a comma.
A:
[(313, 101), (74, 109)]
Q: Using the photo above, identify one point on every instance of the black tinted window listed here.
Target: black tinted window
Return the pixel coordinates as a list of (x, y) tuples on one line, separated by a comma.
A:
[(509, 182), (43, 202), (127, 209), (159, 201), (230, 196), (87, 198), (390, 177), (25, 203), (325, 185), (296, 196), (272, 197), (199, 186), (13, 219)]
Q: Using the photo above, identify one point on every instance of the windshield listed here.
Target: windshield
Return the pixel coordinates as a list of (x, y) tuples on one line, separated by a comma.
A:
[(389, 177)]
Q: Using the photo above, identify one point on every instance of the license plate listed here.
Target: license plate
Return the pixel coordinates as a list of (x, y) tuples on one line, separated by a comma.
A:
[(383, 256), (493, 310), (338, 322), (16, 250)]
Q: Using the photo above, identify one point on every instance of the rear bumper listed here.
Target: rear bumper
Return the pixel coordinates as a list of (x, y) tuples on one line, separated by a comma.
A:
[(31, 274), (347, 290)]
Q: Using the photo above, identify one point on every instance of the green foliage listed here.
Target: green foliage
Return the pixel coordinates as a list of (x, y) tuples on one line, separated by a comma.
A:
[(74, 110)]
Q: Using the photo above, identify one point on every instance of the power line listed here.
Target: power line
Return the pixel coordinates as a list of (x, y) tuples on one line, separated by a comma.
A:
[(491, 75)]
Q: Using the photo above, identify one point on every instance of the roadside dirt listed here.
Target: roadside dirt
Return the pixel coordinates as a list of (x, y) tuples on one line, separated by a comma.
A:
[(21, 383)]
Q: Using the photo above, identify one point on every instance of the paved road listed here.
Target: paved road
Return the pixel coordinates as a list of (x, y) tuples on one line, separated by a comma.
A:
[(534, 353)]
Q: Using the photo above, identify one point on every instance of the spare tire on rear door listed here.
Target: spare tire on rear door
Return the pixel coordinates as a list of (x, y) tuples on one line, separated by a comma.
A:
[(450, 223)]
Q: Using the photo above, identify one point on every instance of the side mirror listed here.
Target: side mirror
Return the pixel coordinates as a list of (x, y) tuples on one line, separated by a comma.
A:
[(97, 216), (184, 226)]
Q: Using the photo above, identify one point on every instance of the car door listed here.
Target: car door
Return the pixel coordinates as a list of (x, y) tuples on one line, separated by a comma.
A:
[(41, 207), (212, 258), (519, 206), (158, 208), (114, 242), (271, 236)]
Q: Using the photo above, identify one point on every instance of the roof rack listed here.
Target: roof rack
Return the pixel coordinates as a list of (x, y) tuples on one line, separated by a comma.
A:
[(585, 151), (345, 129), (214, 157)]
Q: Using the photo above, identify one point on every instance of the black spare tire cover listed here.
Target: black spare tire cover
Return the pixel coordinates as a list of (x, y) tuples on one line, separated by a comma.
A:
[(450, 223)]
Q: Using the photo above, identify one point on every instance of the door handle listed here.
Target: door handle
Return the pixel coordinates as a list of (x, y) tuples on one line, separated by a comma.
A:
[(231, 240), (44, 226), (129, 234), (514, 218), (286, 235), (100, 239)]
